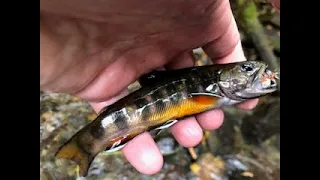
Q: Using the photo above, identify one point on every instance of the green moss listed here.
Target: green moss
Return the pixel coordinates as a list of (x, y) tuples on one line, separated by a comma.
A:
[(249, 13)]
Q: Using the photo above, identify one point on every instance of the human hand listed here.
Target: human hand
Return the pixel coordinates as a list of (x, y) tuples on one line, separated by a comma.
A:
[(94, 49)]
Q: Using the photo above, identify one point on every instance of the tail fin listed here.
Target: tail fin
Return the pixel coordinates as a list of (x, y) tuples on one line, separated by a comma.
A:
[(73, 152)]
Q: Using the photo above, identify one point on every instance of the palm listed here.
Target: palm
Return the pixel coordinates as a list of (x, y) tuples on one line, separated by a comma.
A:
[(124, 40)]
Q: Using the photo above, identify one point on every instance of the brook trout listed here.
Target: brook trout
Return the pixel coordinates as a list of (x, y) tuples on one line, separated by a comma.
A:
[(164, 98)]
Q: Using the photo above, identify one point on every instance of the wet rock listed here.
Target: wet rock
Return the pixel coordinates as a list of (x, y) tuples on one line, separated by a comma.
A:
[(264, 122), (209, 167)]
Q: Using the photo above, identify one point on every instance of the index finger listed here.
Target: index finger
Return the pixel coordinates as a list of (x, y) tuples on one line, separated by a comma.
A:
[(227, 47)]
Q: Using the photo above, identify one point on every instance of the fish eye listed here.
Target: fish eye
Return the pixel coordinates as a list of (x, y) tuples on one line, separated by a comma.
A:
[(247, 67)]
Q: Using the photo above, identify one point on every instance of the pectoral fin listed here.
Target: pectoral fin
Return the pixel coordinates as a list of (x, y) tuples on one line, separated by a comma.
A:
[(158, 130), (167, 124), (206, 94)]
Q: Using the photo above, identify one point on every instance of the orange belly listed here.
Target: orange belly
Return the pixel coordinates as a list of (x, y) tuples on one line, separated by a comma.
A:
[(186, 107)]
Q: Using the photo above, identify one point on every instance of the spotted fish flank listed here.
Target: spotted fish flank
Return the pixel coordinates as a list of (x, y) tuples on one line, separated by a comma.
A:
[(165, 98)]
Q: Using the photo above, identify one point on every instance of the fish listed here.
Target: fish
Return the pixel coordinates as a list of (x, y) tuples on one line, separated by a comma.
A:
[(165, 97)]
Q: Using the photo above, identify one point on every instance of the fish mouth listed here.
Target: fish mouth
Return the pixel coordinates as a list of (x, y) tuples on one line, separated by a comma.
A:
[(266, 80), (263, 82)]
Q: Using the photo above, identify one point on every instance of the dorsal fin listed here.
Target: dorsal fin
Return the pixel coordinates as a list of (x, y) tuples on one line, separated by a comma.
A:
[(152, 77), (159, 75)]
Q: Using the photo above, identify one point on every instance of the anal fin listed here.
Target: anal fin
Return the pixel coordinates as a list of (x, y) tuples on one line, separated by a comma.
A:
[(117, 144), (115, 148)]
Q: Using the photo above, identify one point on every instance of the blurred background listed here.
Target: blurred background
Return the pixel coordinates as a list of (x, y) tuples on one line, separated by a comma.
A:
[(247, 146)]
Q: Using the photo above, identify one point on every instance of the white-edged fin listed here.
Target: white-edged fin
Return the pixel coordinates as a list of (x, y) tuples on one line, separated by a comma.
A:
[(155, 132), (158, 130), (206, 94), (166, 125), (115, 147)]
